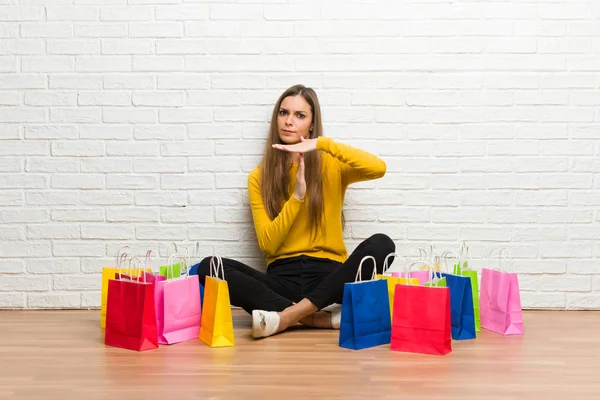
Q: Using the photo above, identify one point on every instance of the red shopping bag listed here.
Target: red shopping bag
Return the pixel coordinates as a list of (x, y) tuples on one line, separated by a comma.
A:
[(109, 273), (130, 314), (421, 320)]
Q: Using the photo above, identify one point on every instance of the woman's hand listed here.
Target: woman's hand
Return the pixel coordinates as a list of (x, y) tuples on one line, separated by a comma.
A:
[(300, 188), (305, 146)]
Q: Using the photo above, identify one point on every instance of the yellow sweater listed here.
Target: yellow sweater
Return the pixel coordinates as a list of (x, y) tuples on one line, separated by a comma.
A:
[(288, 235)]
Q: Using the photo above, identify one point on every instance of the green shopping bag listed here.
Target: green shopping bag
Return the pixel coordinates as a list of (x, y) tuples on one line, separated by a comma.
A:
[(462, 268), (171, 272), (472, 275), (439, 282), (175, 270), (436, 279)]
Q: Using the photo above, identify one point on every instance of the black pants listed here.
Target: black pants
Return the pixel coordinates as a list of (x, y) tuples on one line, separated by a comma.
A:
[(289, 280)]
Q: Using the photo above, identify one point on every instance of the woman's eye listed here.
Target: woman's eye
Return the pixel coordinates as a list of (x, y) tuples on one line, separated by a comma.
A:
[(300, 116), (282, 112)]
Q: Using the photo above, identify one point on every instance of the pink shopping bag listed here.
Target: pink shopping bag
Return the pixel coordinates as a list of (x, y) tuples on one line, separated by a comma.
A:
[(179, 303), (153, 277), (422, 275), (500, 301)]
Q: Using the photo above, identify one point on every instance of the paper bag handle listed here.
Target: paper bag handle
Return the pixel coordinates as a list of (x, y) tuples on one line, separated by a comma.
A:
[(139, 270), (182, 262), (423, 253), (187, 260), (134, 273), (427, 266), (385, 262), (359, 271), (508, 256), (433, 274), (445, 258), (215, 268), (124, 257), (196, 256), (148, 263), (465, 255), (464, 250), (135, 253), (428, 252)]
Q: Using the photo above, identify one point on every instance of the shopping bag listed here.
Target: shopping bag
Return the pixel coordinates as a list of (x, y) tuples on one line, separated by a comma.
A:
[(194, 271), (216, 326), (393, 281), (422, 274), (150, 276), (461, 303), (365, 320), (147, 272), (461, 306), (170, 271), (435, 279), (500, 300), (174, 271), (462, 268), (109, 273), (130, 314), (421, 320), (181, 309)]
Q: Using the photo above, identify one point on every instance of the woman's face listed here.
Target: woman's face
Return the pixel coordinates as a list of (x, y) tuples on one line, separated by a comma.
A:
[(294, 119)]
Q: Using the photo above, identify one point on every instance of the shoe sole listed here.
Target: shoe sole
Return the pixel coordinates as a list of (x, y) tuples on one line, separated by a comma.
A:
[(255, 324)]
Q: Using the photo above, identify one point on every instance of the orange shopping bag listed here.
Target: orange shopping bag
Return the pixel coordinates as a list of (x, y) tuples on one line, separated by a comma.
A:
[(216, 326)]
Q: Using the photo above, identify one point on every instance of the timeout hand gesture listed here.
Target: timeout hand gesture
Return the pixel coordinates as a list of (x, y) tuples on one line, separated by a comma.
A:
[(300, 188), (305, 146)]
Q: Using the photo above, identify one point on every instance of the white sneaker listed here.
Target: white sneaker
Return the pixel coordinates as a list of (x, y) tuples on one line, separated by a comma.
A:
[(336, 314), (264, 323)]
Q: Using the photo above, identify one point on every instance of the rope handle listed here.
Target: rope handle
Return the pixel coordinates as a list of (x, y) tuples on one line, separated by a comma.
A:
[(359, 271), (215, 267)]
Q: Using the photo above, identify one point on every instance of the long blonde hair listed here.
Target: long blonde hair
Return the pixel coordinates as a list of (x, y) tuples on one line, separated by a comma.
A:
[(274, 166)]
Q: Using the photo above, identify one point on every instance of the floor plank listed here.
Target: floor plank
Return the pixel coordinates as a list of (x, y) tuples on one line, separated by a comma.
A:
[(61, 355)]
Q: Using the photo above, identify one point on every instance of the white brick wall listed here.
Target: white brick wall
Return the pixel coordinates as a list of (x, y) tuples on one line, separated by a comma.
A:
[(139, 123)]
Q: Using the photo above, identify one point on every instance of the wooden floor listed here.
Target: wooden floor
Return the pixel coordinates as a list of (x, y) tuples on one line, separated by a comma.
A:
[(61, 355)]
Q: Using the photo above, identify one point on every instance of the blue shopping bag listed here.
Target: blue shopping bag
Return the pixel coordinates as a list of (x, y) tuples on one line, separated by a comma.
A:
[(194, 271), (462, 313), (365, 320)]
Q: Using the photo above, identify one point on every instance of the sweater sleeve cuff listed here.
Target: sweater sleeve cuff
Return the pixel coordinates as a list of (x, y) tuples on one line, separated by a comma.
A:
[(323, 143), (295, 202)]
